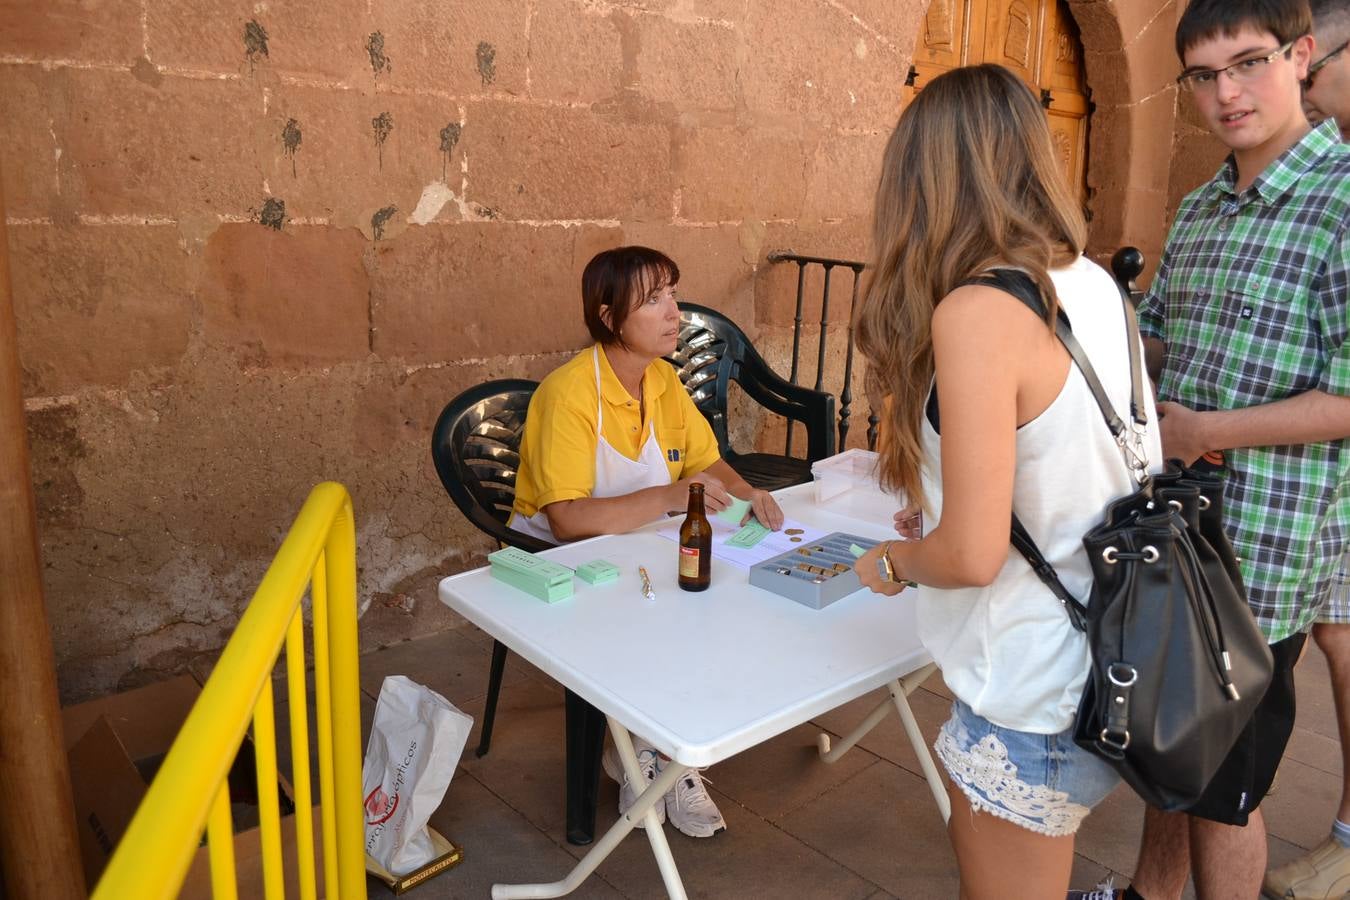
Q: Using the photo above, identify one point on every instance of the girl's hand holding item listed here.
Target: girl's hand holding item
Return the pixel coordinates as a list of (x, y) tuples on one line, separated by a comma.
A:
[(878, 573), (909, 523)]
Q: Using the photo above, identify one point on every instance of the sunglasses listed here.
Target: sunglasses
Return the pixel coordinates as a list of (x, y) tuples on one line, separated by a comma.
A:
[(1321, 64)]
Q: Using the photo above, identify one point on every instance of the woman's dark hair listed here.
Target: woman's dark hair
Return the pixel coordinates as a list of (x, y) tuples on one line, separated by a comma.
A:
[(1205, 19), (620, 279)]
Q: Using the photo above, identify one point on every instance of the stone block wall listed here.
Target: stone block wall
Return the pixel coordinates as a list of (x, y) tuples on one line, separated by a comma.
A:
[(256, 246), (259, 245)]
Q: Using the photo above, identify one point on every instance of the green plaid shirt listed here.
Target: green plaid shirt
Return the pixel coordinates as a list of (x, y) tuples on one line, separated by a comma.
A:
[(1251, 302)]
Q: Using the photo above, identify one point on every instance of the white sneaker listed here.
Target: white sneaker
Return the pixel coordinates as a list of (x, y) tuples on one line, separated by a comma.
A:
[(1105, 890), (691, 809), (649, 763)]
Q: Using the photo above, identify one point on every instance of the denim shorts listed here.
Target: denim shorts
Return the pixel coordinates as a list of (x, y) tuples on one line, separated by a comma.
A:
[(1043, 782)]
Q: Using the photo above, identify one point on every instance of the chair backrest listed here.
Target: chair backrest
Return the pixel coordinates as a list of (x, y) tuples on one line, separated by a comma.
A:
[(476, 448), (713, 352)]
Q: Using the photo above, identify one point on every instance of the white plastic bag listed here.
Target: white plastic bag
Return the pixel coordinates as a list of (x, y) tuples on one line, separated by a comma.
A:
[(415, 744)]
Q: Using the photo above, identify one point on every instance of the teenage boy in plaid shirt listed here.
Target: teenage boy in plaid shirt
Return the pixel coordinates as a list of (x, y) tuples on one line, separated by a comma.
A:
[(1247, 318)]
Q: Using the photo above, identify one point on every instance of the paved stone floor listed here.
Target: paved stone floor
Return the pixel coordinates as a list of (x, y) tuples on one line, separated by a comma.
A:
[(865, 827)]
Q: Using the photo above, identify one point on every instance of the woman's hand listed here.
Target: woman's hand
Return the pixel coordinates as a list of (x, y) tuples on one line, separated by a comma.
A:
[(716, 497), (869, 566), (764, 508), (909, 523)]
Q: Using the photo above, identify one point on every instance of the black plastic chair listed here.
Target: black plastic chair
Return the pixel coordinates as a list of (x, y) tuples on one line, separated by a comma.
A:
[(476, 448), (712, 353)]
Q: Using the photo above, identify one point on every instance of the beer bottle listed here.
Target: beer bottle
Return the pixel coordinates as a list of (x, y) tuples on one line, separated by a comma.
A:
[(695, 544)]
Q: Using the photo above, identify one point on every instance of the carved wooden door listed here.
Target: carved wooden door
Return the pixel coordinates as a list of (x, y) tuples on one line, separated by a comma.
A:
[(1037, 39)]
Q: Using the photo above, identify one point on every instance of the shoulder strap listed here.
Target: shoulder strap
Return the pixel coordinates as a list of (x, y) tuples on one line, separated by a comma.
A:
[(1021, 286), (1022, 540)]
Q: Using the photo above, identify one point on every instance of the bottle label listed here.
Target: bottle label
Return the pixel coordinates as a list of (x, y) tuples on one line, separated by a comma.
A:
[(688, 562)]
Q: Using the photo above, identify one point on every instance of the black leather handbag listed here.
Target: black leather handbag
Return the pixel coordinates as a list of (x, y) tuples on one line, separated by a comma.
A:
[(1178, 662)]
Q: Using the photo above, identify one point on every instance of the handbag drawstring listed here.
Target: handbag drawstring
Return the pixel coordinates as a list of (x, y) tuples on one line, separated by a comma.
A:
[(1202, 601)]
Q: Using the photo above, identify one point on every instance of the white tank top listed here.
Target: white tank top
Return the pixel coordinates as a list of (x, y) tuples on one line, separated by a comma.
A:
[(1008, 650)]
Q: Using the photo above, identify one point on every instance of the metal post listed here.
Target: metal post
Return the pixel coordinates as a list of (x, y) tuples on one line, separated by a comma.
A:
[(797, 321), (846, 395), (824, 329), (39, 853), (1127, 264)]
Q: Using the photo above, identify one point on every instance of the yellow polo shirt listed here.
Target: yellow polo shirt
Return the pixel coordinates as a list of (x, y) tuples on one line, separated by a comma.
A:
[(557, 452)]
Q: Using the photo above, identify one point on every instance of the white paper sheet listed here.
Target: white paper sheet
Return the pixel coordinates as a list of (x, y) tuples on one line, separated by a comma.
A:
[(774, 543)]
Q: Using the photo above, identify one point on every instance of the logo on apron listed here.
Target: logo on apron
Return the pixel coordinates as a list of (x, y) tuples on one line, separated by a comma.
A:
[(673, 454)]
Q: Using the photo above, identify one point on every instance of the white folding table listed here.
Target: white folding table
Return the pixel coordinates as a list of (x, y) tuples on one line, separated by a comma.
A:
[(703, 676)]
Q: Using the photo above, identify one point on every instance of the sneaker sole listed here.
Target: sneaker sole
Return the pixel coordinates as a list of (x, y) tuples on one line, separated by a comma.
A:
[(698, 835)]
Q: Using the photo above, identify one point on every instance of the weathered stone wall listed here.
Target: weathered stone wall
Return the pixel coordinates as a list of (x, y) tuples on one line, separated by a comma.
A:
[(255, 246)]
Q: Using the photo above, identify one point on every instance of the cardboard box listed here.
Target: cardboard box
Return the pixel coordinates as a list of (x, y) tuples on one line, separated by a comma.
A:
[(447, 855), (116, 744)]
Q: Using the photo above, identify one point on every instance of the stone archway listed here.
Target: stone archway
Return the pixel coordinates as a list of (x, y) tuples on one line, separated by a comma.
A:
[(1127, 65), (1131, 67)]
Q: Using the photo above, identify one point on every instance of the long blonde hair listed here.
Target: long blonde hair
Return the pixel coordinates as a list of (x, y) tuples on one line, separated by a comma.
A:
[(970, 181)]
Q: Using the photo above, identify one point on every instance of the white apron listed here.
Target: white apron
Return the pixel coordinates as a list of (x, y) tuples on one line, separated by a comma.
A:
[(615, 474)]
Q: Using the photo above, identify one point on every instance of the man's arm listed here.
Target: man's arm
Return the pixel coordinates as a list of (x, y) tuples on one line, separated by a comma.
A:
[(1155, 351), (1304, 419)]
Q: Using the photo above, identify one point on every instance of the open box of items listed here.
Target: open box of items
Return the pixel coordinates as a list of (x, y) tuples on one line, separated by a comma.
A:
[(815, 574)]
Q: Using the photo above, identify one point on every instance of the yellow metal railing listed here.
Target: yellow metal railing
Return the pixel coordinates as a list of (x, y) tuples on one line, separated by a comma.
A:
[(191, 792)]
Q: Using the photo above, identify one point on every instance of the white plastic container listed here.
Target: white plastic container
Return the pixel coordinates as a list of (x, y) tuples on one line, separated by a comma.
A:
[(844, 472), (847, 483)]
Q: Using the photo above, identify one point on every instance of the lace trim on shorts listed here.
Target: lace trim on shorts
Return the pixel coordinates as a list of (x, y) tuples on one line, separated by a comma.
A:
[(990, 783)]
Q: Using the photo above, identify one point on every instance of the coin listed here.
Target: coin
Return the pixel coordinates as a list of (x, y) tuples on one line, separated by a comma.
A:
[(796, 540), (792, 531)]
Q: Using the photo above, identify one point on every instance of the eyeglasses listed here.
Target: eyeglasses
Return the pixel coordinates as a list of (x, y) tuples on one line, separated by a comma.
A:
[(1243, 71), (1322, 64)]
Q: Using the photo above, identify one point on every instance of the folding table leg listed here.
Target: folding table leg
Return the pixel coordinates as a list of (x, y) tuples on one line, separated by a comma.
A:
[(830, 755), (643, 808), (899, 691), (899, 695), (656, 834), (910, 683)]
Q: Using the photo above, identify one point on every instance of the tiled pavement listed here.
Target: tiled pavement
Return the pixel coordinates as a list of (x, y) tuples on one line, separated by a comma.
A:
[(865, 827)]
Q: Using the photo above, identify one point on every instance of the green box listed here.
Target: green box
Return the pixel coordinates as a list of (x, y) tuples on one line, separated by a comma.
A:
[(538, 577), (598, 571)]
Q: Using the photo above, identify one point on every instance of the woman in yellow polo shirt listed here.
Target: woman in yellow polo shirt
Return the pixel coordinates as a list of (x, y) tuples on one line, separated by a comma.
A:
[(612, 442), (612, 439)]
